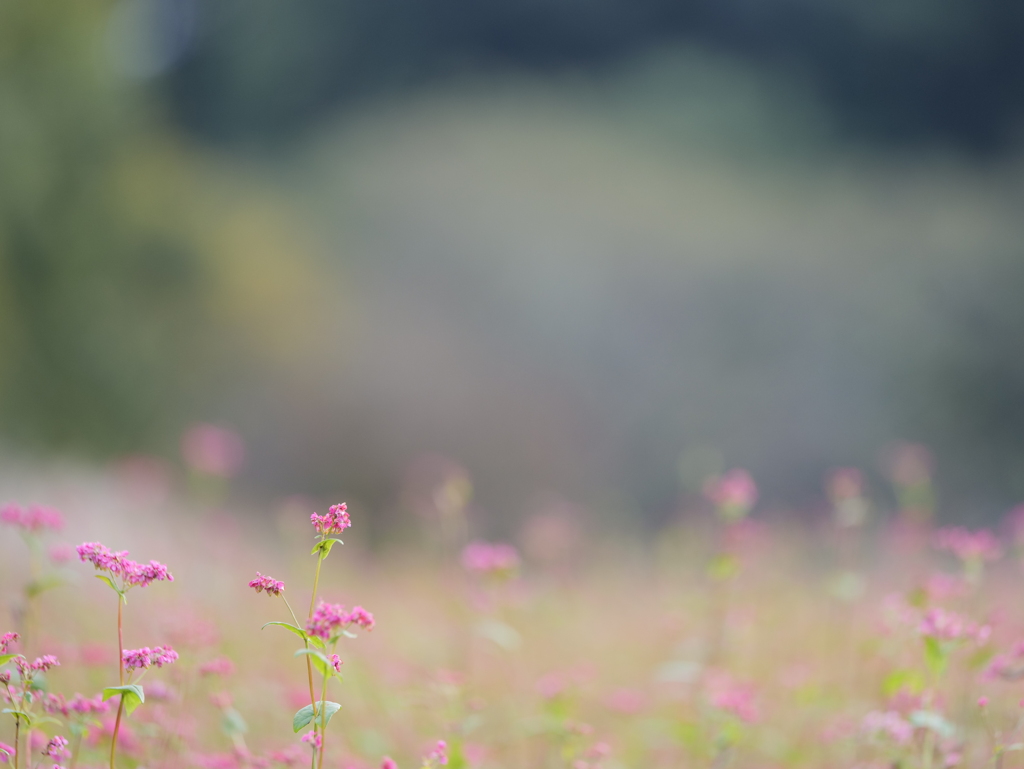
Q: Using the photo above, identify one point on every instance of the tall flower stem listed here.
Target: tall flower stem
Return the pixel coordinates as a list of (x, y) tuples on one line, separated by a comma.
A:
[(312, 604), (17, 739), (120, 673), (309, 665)]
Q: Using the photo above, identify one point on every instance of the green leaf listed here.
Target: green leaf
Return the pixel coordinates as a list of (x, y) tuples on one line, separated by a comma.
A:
[(34, 588), (17, 713), (132, 695), (935, 656), (324, 547), (233, 722), (5, 658), (298, 631), (320, 662), (317, 641), (305, 715), (911, 680), (724, 567)]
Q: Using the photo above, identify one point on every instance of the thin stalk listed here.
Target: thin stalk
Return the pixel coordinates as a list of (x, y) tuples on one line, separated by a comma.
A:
[(17, 739), (323, 720), (76, 746), (309, 665), (120, 673)]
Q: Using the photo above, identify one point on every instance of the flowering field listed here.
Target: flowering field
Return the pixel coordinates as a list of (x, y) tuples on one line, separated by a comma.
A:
[(866, 637)]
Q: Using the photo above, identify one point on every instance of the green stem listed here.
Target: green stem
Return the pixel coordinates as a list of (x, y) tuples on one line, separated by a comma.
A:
[(309, 665), (120, 673), (117, 727), (323, 720), (17, 739)]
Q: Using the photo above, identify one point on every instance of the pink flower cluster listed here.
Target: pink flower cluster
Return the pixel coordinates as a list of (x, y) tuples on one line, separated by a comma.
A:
[(336, 662), (966, 545), (118, 564), (335, 522), (6, 752), (490, 558), (6, 640), (733, 493), (145, 657), (888, 723), (32, 518), (943, 625), (83, 706), (263, 582), (732, 696), (213, 450), (314, 739), (439, 755), (332, 617), (57, 748), (1007, 667), (219, 666)]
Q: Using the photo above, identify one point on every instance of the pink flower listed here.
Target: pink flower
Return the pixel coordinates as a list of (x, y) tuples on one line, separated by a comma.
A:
[(220, 666), (145, 657), (888, 723), (57, 748), (329, 618), (335, 522), (966, 545), (213, 450), (61, 552), (33, 518), (314, 739), (733, 697), (6, 752), (84, 706), (6, 640), (118, 564), (944, 625), (336, 662), (734, 494), (439, 754), (263, 582), (496, 559), (388, 763), (45, 662)]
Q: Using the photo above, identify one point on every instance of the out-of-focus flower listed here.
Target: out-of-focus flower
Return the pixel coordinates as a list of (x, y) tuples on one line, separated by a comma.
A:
[(6, 752), (944, 625), (888, 724), (213, 450), (439, 755), (493, 559), (329, 618), (57, 748), (45, 662), (388, 763), (33, 518), (734, 697), (264, 582), (219, 666), (626, 701), (61, 552), (334, 522), (314, 739), (966, 545), (733, 494), (6, 640), (845, 487), (336, 662)]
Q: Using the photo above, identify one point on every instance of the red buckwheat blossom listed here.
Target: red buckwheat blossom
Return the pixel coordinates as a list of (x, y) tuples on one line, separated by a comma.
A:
[(263, 582), (334, 522)]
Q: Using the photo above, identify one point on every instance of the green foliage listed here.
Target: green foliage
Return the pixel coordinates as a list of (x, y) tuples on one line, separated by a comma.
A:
[(131, 694), (304, 716)]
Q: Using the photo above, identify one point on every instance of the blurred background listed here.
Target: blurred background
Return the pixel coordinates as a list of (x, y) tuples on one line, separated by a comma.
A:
[(585, 254)]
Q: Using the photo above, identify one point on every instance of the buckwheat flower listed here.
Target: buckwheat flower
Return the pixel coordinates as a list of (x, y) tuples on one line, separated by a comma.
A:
[(54, 704), (6, 640), (334, 522), (327, 618), (888, 723), (57, 748), (88, 706), (361, 617), (734, 494), (966, 545), (388, 763), (6, 752), (314, 739), (336, 662), (220, 666), (439, 753), (141, 574), (495, 559), (263, 582), (5, 677), (61, 552), (45, 662), (944, 625), (33, 518), (163, 655)]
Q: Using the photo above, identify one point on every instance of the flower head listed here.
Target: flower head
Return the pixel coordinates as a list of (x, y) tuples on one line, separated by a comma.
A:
[(493, 559), (943, 625), (888, 724), (734, 494), (334, 522), (336, 663), (439, 755), (120, 565), (145, 657), (966, 545), (331, 618), (219, 666), (314, 739), (6, 640), (32, 518), (57, 748), (6, 752), (45, 662), (388, 763), (264, 582)]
